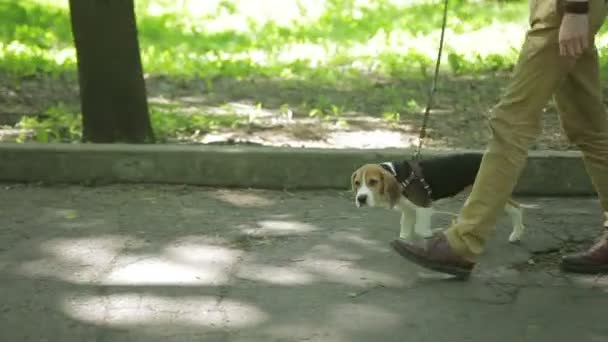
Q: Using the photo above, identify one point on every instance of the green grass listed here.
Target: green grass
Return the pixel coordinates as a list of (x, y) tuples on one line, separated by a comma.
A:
[(59, 124), (225, 38), (319, 44)]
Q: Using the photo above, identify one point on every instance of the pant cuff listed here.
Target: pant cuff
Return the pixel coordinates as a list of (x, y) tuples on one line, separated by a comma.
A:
[(458, 245)]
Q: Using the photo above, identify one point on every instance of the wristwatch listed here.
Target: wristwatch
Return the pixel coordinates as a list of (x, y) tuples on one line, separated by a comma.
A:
[(576, 7)]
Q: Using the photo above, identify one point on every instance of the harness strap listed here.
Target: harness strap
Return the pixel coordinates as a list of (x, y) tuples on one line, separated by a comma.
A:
[(417, 171), (419, 192)]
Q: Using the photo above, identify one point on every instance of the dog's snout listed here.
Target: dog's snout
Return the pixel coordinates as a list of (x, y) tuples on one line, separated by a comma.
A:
[(362, 199)]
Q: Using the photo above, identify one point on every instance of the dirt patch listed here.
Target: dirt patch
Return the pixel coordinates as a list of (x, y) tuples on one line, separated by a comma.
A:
[(377, 113)]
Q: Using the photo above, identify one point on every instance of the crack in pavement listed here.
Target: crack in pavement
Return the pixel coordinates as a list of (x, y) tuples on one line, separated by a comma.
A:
[(102, 290), (225, 291)]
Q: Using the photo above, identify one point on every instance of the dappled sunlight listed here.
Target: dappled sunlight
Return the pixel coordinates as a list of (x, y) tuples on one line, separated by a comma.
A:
[(302, 17), (279, 228), (289, 36), (280, 12), (195, 260), (187, 263), (154, 270), (198, 105), (359, 241), (195, 253), (332, 262), (347, 272), (162, 313), (371, 139), (243, 199), (161, 100), (77, 260), (106, 260), (498, 38)]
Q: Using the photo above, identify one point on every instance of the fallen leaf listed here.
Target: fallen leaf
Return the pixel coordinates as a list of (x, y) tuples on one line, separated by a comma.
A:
[(70, 214)]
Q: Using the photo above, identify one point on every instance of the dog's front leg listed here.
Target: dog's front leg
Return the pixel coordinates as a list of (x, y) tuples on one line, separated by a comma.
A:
[(516, 215), (408, 219), (423, 222)]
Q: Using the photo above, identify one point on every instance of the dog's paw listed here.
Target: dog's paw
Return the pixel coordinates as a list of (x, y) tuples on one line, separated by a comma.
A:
[(516, 234), (436, 230), (425, 234), (406, 237)]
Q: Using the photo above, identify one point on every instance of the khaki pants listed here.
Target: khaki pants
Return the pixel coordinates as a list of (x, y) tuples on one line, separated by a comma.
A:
[(515, 122)]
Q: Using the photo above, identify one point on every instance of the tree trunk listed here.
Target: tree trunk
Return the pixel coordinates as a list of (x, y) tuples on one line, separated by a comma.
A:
[(112, 88)]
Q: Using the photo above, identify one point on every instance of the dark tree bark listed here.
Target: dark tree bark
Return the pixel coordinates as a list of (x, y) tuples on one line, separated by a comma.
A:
[(112, 89)]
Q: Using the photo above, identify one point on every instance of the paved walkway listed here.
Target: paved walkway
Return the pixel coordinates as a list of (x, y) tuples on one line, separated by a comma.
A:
[(160, 263)]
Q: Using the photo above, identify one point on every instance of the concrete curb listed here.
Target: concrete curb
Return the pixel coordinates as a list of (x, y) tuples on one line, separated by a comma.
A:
[(547, 173)]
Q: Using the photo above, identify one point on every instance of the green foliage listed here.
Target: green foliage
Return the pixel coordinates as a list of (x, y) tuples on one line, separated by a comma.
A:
[(194, 40), (34, 40), (392, 117), (56, 125)]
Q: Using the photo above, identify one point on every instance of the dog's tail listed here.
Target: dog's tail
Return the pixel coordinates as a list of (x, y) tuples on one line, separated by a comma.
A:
[(445, 212), (529, 206), (522, 205)]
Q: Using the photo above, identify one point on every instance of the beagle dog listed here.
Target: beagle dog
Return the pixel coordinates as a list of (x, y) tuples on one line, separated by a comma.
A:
[(412, 186)]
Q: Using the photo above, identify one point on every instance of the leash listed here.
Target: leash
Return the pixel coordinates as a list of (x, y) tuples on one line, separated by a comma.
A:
[(429, 102)]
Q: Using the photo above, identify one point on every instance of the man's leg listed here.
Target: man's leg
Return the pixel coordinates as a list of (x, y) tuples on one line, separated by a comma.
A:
[(585, 121), (516, 121), (515, 124)]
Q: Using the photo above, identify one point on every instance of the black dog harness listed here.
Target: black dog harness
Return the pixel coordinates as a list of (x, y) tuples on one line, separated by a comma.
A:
[(415, 187)]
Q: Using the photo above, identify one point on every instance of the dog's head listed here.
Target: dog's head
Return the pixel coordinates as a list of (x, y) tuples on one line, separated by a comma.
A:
[(373, 186)]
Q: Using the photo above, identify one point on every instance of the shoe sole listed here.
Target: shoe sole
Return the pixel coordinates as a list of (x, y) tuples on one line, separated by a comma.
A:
[(584, 269), (455, 271)]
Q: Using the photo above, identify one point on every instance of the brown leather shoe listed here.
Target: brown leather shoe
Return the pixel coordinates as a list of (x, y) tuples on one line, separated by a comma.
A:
[(437, 256), (592, 261)]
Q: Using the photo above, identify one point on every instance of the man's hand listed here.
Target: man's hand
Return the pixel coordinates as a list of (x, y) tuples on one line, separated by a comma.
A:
[(574, 34)]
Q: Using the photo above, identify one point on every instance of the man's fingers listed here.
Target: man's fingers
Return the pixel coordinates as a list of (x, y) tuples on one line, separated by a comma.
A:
[(585, 43), (562, 48), (577, 47), (570, 48), (573, 47)]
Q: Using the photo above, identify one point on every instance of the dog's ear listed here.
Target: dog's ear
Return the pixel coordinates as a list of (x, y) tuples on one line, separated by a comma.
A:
[(352, 181), (390, 188)]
